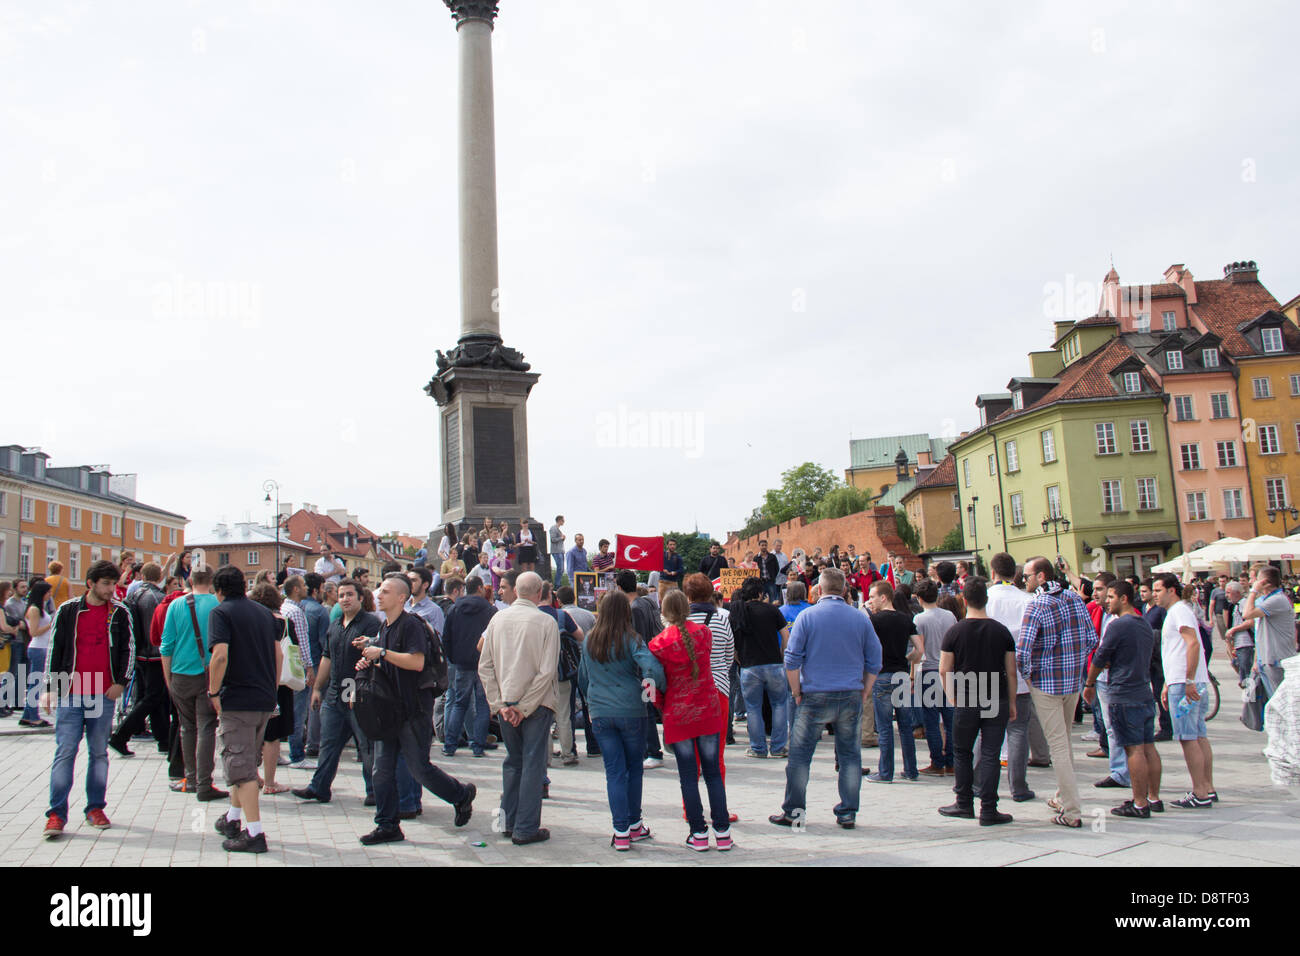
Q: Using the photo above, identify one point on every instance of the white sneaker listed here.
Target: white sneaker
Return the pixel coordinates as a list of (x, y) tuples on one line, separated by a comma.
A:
[(1090, 736), (282, 761), (651, 763), (303, 765)]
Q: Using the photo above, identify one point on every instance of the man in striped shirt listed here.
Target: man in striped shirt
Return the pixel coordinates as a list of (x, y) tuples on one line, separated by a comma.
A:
[(1056, 637)]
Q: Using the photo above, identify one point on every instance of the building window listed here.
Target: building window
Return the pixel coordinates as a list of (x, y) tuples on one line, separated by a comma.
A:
[(1232, 503), (171, 537), (1275, 494), (1132, 382), (1140, 433), (1017, 400), (1297, 436), (95, 555), (1013, 459), (1112, 496), (52, 514), (1196, 510), (223, 558), (74, 562), (1174, 360), (1167, 322), (1269, 441), (1295, 386), (139, 531), (1183, 410), (1106, 438), (993, 467), (29, 509), (1272, 339), (116, 527), (1142, 322), (4, 503), (1263, 388), (956, 501), (1210, 358), (24, 560), (1054, 501), (965, 470), (1227, 451), (157, 534), (253, 559), (1049, 446), (96, 523), (1017, 510), (51, 553), (1147, 498), (1191, 456), (997, 516), (74, 519), (1220, 407)]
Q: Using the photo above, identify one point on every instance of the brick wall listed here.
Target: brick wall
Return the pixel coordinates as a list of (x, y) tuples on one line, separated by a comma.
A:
[(874, 531)]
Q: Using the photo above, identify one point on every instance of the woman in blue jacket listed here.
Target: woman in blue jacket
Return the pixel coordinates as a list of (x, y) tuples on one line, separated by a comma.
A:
[(616, 666)]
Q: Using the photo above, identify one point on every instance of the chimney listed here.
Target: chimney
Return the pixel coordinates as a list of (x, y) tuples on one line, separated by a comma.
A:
[(924, 459), (1241, 271), (1182, 277), (339, 516)]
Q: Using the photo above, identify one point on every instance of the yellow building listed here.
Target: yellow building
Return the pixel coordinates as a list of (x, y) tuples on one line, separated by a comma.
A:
[(933, 506), (1268, 393), (1292, 310), (878, 463)]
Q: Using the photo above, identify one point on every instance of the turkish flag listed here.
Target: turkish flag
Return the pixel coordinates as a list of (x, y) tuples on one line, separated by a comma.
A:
[(639, 554)]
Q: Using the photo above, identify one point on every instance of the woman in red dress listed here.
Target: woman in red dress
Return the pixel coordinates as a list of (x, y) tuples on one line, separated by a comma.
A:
[(693, 717)]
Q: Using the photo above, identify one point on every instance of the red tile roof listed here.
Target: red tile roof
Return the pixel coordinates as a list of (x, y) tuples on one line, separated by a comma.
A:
[(945, 474), (1222, 305), (1089, 377), (1161, 290)]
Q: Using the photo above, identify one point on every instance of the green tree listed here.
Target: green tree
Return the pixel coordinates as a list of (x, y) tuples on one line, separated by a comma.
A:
[(907, 532), (756, 523), (842, 500), (953, 541), (801, 489)]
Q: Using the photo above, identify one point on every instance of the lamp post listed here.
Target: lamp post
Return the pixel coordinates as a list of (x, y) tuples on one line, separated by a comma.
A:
[(970, 510), (1056, 522), (1284, 511), (268, 486)]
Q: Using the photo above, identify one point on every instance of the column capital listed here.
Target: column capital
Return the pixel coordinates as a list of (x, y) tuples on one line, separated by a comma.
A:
[(463, 10)]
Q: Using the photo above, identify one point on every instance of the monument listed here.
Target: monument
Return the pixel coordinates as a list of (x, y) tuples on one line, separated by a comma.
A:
[(481, 385)]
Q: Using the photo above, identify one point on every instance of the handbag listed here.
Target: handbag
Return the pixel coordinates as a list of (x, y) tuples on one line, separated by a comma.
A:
[(1254, 697), (292, 674), (376, 704)]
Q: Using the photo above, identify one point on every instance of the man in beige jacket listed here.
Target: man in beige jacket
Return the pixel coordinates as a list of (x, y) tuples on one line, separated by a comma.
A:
[(521, 650)]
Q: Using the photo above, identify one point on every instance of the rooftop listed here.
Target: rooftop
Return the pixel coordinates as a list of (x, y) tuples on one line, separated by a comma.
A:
[(881, 452)]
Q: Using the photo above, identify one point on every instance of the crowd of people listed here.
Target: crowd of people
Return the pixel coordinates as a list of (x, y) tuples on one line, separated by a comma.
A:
[(984, 672)]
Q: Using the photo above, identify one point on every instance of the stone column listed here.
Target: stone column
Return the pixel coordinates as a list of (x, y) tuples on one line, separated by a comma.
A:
[(479, 320)]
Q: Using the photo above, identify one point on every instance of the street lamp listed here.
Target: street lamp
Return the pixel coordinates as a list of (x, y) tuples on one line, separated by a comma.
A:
[(1056, 522), (268, 486), (1284, 511), (970, 510)]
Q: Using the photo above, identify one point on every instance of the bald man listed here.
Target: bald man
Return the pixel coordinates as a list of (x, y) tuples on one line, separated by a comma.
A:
[(521, 648)]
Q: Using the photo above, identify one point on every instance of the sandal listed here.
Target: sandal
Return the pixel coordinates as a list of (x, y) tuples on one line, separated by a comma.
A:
[(1060, 820), (272, 788), (1054, 804)]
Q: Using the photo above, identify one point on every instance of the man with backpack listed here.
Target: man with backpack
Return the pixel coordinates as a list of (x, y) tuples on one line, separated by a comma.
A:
[(566, 674), (404, 646), (150, 692)]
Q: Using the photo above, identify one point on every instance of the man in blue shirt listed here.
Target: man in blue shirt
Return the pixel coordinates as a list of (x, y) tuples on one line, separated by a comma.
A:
[(576, 559), (673, 565), (318, 624), (831, 662)]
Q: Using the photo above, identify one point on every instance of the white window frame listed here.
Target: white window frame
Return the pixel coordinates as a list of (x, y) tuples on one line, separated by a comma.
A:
[(4, 503), (1139, 427), (1198, 506), (1013, 457), (52, 514), (1148, 502), (1295, 385), (1053, 501), (1228, 460), (1224, 406), (1210, 358), (1273, 500), (1262, 387), (96, 523), (997, 516), (1271, 337), (1273, 444), (51, 552), (1174, 360), (24, 559), (1017, 400), (254, 558), (1116, 502), (29, 508), (1017, 510), (965, 470), (956, 501), (157, 533), (1234, 503), (1181, 402), (1190, 451), (74, 562), (139, 531), (74, 520), (1168, 321), (116, 526), (993, 465), (1106, 444), (1049, 445), (171, 537), (1132, 382)]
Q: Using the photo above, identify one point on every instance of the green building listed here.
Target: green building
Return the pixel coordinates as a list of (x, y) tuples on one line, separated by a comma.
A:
[(1081, 440)]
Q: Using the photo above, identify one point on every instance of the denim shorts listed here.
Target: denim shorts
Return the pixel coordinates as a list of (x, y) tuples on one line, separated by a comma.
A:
[(1191, 725), (1132, 724)]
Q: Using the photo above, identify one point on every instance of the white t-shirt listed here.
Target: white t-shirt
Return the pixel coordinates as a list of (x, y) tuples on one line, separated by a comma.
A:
[(1173, 650)]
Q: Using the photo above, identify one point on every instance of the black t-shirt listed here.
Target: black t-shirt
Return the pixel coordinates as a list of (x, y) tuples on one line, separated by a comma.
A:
[(250, 632), (979, 646), (339, 651), (1127, 646), (760, 643), (895, 631), (407, 635)]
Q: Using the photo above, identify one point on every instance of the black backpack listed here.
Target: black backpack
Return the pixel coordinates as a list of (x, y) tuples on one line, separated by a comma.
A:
[(377, 704), (434, 675)]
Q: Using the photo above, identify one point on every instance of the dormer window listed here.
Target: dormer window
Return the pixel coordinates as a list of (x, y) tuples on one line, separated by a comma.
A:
[(1132, 382), (1210, 358), (1272, 339), (1142, 322), (1017, 401), (1174, 360)]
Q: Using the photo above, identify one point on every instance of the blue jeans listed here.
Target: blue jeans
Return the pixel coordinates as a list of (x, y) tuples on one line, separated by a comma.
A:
[(753, 681), (843, 710), (338, 724), (1115, 752), (297, 745), (35, 671), (75, 717), (466, 693), (622, 743), (940, 746), (704, 750), (886, 712)]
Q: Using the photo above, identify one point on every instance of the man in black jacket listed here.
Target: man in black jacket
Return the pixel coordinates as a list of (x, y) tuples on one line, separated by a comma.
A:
[(465, 625), (768, 568), (711, 564), (89, 659), (151, 699)]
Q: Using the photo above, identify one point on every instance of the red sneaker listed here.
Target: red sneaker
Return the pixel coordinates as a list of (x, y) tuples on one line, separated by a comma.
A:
[(98, 820), (53, 827)]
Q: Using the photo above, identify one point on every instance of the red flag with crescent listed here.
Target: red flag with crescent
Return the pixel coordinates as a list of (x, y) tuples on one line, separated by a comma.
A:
[(639, 554)]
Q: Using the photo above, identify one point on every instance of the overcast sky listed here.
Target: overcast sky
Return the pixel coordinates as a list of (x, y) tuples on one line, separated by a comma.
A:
[(228, 229)]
